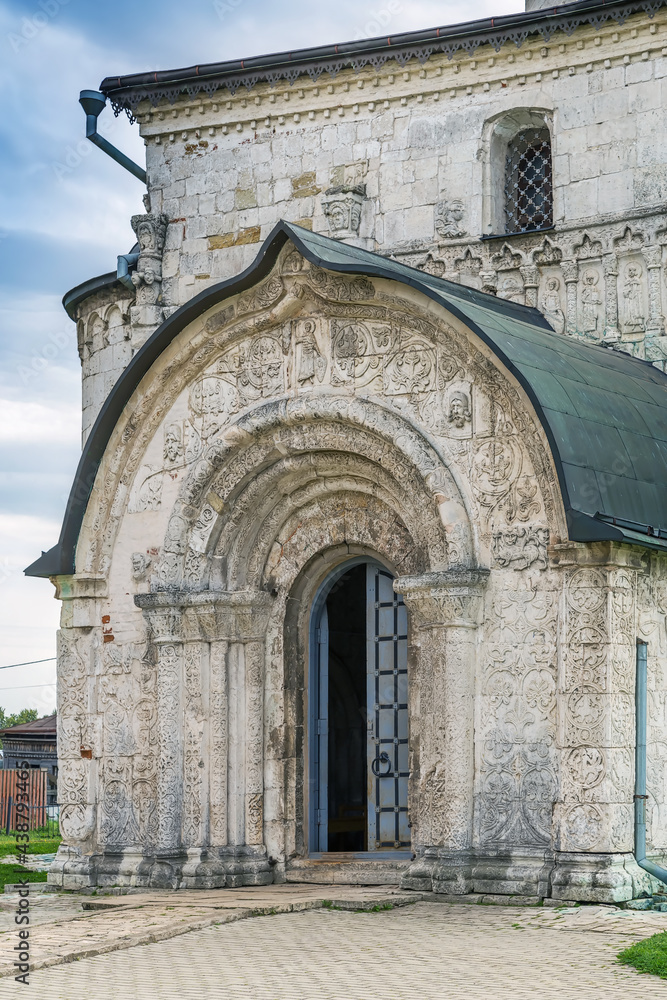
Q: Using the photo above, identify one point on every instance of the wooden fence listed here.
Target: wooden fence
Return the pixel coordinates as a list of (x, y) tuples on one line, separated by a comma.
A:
[(13, 787)]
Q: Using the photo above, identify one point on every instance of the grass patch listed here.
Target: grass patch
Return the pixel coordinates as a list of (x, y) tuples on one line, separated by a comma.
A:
[(37, 845), (649, 955), (378, 908), (10, 874)]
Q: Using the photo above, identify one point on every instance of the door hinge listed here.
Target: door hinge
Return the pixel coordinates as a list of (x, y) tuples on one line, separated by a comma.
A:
[(321, 817)]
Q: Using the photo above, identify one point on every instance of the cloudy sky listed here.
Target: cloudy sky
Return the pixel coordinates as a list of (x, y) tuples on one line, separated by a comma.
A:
[(64, 216)]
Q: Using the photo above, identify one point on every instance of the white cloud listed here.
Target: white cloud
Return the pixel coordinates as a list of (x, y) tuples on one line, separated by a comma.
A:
[(26, 422)]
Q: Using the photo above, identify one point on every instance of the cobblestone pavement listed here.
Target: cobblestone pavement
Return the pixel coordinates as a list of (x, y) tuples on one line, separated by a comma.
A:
[(427, 951), (69, 927)]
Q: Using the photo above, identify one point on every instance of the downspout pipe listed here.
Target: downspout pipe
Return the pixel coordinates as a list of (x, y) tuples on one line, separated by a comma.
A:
[(93, 102), (640, 767), (125, 262)]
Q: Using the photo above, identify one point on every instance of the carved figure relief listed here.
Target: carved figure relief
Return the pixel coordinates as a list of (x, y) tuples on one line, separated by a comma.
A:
[(150, 231), (634, 319), (173, 444), (551, 304), (311, 366), (521, 548), (511, 288), (449, 216), (140, 565), (591, 300), (459, 413)]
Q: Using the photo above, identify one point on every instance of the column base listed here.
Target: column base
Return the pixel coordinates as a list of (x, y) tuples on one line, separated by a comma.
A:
[(72, 869), (538, 874), (195, 868), (599, 878)]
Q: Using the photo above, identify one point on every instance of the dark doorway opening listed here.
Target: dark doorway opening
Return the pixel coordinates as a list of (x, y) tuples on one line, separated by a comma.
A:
[(347, 791)]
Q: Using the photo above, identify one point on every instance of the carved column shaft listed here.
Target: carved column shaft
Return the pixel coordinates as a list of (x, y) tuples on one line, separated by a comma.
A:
[(445, 609), (170, 740), (254, 742), (611, 331), (195, 799), (653, 257), (218, 749), (531, 281), (570, 270)]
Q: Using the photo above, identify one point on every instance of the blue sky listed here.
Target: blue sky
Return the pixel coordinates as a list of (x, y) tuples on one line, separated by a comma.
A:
[(64, 216)]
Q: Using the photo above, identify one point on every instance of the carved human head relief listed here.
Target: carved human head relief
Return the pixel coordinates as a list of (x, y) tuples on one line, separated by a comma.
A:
[(459, 409)]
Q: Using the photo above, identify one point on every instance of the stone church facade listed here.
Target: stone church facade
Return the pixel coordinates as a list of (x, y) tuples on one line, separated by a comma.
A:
[(371, 510)]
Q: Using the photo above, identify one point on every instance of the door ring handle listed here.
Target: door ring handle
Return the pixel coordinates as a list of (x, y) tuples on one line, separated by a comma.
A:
[(383, 758)]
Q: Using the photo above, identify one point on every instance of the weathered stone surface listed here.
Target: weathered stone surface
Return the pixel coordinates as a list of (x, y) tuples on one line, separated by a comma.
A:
[(319, 416)]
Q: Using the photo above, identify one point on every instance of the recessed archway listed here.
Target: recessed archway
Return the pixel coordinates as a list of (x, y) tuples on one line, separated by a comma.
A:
[(358, 714)]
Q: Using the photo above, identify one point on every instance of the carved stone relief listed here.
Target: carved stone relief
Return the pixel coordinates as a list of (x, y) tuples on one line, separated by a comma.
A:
[(342, 207), (449, 219), (602, 285)]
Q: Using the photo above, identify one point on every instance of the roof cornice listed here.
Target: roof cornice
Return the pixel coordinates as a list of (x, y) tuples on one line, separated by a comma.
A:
[(127, 92)]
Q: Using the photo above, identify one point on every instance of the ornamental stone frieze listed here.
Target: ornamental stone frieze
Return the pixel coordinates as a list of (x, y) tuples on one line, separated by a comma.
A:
[(603, 283)]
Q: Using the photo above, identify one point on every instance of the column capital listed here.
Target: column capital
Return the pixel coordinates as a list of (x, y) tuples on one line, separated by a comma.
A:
[(177, 616), (446, 599)]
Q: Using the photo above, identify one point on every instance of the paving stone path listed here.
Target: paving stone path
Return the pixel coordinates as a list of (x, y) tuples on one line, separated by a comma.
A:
[(427, 951)]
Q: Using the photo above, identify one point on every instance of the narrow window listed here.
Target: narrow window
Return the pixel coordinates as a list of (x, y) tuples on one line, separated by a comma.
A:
[(528, 182)]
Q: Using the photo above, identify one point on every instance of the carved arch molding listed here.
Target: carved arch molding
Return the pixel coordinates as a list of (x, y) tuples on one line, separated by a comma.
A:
[(309, 386)]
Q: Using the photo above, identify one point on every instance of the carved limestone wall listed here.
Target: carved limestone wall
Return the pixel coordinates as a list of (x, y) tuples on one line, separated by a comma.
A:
[(310, 418)]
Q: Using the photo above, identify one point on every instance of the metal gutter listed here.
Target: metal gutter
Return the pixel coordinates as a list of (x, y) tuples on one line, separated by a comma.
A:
[(83, 291), (640, 766), (93, 104), (127, 92)]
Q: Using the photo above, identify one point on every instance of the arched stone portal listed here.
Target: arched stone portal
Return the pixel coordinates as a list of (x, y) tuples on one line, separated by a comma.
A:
[(312, 421)]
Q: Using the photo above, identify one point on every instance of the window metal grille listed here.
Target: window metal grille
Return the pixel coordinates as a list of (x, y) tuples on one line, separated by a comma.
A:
[(528, 182)]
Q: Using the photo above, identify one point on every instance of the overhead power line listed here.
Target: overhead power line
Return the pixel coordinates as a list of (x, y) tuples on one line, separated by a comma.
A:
[(29, 663)]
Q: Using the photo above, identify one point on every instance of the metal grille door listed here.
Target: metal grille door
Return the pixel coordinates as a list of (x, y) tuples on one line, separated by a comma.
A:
[(387, 693)]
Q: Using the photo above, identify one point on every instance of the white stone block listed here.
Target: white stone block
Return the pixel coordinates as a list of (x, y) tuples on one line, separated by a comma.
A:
[(581, 199)]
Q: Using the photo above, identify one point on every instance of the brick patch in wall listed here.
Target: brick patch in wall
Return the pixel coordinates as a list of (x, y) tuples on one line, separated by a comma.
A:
[(240, 238), (305, 186)]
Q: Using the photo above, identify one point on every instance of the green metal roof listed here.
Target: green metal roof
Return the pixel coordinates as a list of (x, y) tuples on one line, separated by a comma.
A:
[(604, 413)]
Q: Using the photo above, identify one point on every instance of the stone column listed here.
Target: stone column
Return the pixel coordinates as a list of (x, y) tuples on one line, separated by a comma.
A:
[(611, 330), (570, 269), (531, 281), (195, 731), (237, 697), (164, 624), (593, 817), (653, 258), (254, 742), (445, 610), (218, 749)]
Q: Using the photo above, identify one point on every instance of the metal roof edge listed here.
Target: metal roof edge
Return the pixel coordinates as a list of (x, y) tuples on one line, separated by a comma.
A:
[(126, 92), (87, 288)]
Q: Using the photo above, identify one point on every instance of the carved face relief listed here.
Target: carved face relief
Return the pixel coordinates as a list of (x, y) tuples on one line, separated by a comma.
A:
[(140, 565), (460, 412)]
